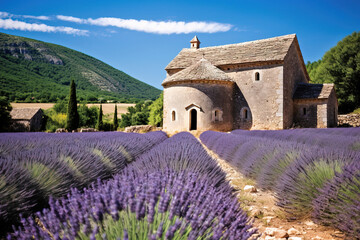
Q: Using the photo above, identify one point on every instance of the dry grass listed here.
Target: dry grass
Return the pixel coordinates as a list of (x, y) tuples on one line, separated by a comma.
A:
[(108, 108)]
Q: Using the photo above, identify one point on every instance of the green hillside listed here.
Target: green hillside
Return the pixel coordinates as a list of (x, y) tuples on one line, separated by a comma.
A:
[(35, 71)]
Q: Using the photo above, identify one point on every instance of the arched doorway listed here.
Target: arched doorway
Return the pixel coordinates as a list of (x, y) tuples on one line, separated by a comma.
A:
[(193, 119)]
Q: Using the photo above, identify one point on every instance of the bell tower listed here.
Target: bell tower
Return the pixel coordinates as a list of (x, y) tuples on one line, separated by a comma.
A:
[(195, 43)]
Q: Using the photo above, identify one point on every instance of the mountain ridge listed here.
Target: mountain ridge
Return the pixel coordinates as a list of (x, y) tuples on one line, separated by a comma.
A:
[(32, 70)]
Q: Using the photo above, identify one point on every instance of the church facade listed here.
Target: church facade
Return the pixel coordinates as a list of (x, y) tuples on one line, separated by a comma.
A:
[(260, 84)]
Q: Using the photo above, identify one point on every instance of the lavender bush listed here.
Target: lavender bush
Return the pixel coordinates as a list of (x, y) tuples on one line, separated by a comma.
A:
[(338, 202), (302, 170), (165, 204), (181, 152), (34, 166)]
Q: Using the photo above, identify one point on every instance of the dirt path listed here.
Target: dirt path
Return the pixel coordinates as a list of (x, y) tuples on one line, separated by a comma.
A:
[(269, 218)]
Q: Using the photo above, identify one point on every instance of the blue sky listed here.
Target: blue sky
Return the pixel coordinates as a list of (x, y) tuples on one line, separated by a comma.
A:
[(142, 37)]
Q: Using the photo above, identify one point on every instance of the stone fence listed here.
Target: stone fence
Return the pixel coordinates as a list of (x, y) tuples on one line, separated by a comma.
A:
[(349, 120)]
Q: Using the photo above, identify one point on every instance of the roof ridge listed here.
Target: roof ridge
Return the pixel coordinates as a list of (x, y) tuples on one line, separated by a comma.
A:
[(244, 43)]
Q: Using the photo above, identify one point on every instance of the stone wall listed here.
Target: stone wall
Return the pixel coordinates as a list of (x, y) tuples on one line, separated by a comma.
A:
[(205, 98), (293, 74), (332, 110), (36, 121), (349, 120), (264, 98), (310, 113)]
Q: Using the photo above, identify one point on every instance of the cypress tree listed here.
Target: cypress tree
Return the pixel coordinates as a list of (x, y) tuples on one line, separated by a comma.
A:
[(116, 124), (99, 125), (72, 118)]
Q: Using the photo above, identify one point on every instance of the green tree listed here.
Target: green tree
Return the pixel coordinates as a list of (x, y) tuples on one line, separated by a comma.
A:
[(99, 125), (72, 118), (341, 66), (156, 112), (115, 122), (88, 116), (137, 115), (5, 118)]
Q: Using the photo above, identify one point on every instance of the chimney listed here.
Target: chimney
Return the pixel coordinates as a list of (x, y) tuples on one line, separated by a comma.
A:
[(195, 43)]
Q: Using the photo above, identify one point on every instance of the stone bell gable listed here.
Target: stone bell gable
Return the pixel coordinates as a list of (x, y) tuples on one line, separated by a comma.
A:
[(247, 85)]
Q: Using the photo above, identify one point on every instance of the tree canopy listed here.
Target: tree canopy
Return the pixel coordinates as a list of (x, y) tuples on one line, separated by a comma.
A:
[(5, 118), (156, 112), (72, 118), (341, 66)]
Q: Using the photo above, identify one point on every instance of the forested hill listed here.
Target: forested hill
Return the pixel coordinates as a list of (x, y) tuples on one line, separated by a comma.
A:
[(32, 70)]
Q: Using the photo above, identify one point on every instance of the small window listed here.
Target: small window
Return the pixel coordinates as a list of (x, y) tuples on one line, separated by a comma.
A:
[(245, 114), (304, 111), (173, 115), (257, 76), (216, 114)]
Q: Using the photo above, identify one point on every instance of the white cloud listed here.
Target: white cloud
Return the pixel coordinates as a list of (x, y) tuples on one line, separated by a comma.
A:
[(18, 25), (4, 15), (70, 19), (36, 17), (159, 27)]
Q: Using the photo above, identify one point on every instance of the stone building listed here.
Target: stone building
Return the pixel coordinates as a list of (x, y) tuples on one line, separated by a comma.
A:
[(253, 85), (26, 119)]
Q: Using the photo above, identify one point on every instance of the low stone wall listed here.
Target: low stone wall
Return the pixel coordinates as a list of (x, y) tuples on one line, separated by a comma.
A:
[(350, 120), (142, 128)]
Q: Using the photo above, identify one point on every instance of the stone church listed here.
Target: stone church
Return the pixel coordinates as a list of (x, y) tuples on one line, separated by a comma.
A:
[(260, 84)]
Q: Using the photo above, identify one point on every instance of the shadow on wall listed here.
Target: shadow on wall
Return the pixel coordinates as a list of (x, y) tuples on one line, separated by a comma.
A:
[(242, 112)]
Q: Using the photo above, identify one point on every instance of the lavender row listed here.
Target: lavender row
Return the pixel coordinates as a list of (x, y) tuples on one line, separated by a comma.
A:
[(35, 166), (341, 138), (181, 152), (338, 203), (297, 172), (164, 204)]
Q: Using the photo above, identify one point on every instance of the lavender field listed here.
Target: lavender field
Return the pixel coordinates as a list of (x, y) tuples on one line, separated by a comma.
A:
[(313, 172), (115, 186), (148, 186)]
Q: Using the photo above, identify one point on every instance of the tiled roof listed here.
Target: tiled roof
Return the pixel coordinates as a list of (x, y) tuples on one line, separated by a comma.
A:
[(313, 91), (23, 113), (270, 49), (202, 70)]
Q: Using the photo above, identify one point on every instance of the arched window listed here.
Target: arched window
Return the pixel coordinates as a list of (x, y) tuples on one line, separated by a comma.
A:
[(173, 115), (304, 111), (245, 113), (257, 76)]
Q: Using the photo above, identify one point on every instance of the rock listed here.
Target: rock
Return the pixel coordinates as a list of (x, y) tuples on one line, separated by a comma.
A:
[(142, 128), (350, 120), (88, 130), (60, 130), (295, 238), (268, 219), (273, 238), (250, 189), (276, 232), (255, 212), (309, 223), (317, 238), (293, 231)]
